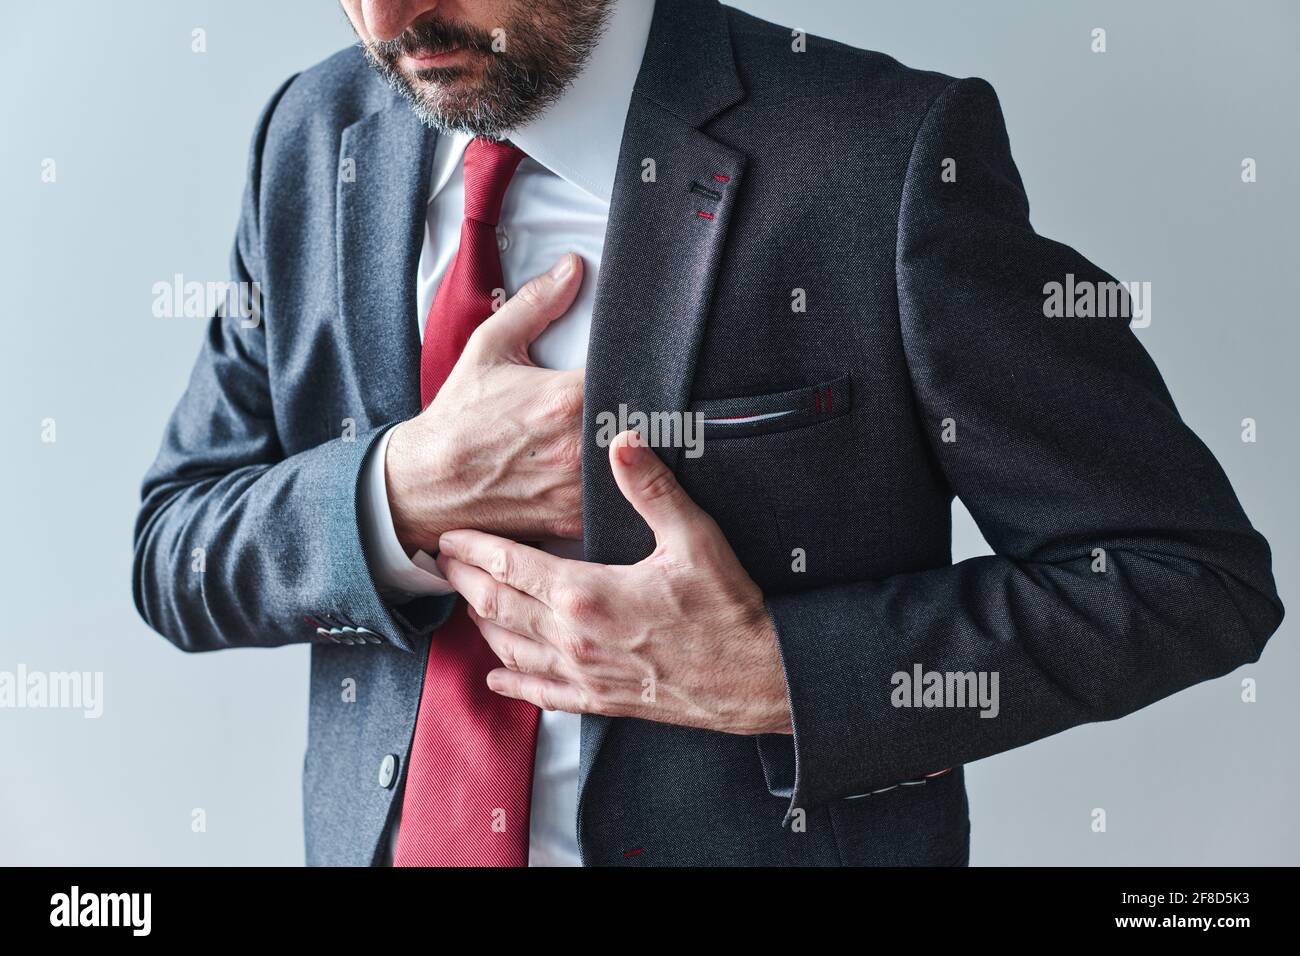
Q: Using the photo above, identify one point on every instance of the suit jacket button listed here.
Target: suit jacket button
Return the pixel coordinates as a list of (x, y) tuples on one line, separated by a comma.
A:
[(388, 770)]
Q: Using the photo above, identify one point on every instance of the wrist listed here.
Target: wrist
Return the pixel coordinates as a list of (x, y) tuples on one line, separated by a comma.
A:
[(402, 480)]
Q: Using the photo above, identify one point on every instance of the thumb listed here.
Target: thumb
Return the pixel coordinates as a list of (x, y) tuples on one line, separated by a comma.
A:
[(509, 331), (652, 489)]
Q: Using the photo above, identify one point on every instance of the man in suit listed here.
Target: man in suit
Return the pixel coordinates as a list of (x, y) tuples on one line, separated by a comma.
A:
[(531, 644)]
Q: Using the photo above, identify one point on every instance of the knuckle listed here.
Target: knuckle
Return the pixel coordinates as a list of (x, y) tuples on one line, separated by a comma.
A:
[(535, 620), (509, 659), (593, 698), (546, 698), (576, 604), (489, 602), (661, 486), (530, 294), (500, 564), (588, 702)]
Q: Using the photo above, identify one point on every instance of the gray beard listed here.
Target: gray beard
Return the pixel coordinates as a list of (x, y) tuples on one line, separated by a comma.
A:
[(517, 86), (490, 111)]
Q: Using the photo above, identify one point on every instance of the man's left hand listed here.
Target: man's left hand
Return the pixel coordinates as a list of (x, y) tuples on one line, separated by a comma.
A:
[(681, 637)]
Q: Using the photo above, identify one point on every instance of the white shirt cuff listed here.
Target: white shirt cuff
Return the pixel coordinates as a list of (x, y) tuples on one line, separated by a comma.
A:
[(398, 577)]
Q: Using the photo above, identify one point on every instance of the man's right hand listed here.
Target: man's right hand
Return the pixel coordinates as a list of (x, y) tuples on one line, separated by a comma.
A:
[(499, 447)]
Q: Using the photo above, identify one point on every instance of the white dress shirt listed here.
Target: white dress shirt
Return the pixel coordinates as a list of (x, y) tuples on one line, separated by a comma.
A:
[(557, 202)]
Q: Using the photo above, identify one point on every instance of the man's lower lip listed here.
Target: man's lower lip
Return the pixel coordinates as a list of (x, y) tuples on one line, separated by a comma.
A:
[(423, 61)]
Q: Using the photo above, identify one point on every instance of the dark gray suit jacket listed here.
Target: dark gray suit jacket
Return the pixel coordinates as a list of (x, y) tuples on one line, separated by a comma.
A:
[(924, 303)]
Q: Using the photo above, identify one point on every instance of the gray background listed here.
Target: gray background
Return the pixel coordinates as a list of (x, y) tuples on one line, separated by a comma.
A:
[(1132, 156)]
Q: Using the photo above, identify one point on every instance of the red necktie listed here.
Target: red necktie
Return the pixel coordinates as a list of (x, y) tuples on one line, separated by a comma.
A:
[(469, 777)]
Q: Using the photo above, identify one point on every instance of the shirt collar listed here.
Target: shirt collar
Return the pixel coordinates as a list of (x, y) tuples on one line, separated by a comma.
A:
[(578, 137)]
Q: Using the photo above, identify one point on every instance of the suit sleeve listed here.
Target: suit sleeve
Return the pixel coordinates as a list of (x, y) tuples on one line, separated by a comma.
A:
[(237, 544), (1124, 567)]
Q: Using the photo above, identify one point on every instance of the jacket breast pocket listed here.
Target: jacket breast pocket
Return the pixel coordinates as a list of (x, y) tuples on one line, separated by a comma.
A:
[(780, 472), (752, 415)]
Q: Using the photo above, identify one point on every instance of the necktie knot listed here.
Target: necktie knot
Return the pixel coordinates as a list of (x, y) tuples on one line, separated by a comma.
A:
[(489, 166)]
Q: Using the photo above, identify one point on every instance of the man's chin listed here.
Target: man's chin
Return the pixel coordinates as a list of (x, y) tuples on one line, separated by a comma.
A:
[(450, 111)]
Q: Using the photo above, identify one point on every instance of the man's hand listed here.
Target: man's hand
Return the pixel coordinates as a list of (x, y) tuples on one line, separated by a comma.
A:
[(498, 447), (682, 637)]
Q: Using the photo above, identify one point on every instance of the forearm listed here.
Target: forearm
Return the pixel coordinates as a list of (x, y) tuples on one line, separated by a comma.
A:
[(260, 555), (1054, 643)]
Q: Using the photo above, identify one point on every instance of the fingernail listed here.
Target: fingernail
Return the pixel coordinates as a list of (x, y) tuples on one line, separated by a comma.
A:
[(631, 455), (447, 546), (563, 268)]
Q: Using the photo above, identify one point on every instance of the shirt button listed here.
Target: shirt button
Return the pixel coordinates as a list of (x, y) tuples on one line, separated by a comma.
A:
[(503, 240), (387, 770)]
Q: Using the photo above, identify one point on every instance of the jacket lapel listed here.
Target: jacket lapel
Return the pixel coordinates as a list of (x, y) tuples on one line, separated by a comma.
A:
[(383, 186), (674, 193)]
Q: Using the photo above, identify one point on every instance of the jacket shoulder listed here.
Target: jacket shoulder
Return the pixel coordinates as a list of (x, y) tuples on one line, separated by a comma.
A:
[(842, 83)]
